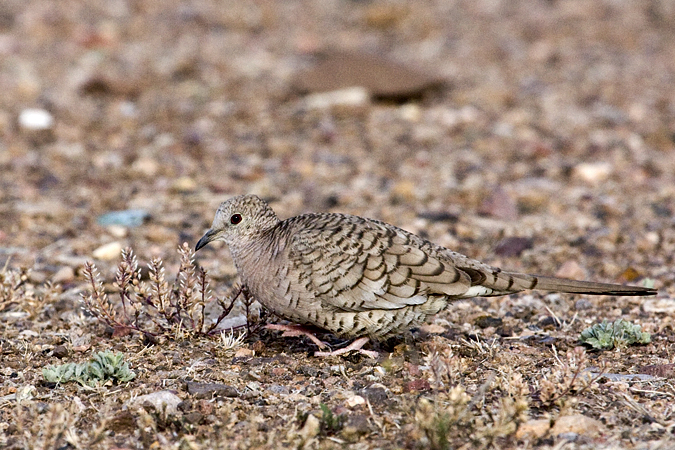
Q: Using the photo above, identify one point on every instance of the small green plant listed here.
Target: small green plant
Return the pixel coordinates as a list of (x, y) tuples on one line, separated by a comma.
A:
[(98, 370), (331, 423), (607, 335)]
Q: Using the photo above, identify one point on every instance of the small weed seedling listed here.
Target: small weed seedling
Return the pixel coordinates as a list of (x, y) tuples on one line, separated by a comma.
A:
[(607, 335), (104, 366)]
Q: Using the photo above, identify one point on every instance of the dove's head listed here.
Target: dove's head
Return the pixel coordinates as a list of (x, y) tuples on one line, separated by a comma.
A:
[(239, 221)]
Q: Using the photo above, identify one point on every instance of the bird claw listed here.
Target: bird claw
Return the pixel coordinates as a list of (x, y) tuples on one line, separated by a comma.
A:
[(296, 330), (299, 330), (356, 346)]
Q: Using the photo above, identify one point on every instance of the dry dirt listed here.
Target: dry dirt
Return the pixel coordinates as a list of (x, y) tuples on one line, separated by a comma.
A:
[(549, 148)]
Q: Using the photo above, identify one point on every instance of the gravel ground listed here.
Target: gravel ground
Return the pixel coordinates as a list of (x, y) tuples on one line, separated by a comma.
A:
[(538, 136)]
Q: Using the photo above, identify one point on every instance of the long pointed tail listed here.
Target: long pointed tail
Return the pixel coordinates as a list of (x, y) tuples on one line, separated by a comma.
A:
[(524, 281)]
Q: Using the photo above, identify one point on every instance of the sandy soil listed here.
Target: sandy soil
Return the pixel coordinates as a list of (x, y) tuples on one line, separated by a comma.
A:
[(548, 147)]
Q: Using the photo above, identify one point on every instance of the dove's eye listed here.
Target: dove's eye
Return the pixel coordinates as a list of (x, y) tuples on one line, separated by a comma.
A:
[(235, 219)]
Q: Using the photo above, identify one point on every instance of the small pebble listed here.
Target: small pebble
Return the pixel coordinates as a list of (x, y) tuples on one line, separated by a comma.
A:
[(353, 96), (118, 231), (165, 402), (108, 251), (184, 185), (500, 205), (209, 390), (577, 423), (355, 401), (582, 304), (533, 429), (244, 353), (383, 78), (411, 112), (571, 269), (659, 306), (513, 246), (64, 275), (593, 172), (60, 351), (311, 428), (432, 328), (125, 218), (37, 277), (36, 119), (145, 166), (25, 334)]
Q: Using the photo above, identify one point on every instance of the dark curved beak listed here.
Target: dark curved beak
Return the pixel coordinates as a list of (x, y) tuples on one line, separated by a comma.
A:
[(208, 237)]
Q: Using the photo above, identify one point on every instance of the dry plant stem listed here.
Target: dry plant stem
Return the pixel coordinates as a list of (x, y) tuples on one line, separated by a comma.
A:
[(186, 281), (577, 357), (126, 271), (248, 300), (226, 311), (166, 308), (203, 289), (97, 301)]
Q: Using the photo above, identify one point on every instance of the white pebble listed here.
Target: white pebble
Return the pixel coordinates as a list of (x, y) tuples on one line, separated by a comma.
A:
[(410, 112), (35, 119), (659, 306), (117, 231), (355, 400), (64, 275), (108, 251), (353, 96), (165, 401), (593, 172)]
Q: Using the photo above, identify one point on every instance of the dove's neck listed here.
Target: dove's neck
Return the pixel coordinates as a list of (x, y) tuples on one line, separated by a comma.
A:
[(252, 254)]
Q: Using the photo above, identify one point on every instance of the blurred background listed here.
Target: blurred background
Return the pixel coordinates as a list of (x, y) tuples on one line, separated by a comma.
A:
[(537, 135)]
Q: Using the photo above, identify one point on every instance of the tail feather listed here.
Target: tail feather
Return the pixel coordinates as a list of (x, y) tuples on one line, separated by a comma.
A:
[(525, 281)]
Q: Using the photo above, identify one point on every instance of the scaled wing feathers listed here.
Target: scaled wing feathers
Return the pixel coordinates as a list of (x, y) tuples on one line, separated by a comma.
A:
[(378, 267)]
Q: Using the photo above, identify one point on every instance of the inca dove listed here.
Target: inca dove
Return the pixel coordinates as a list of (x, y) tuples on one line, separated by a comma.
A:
[(359, 277)]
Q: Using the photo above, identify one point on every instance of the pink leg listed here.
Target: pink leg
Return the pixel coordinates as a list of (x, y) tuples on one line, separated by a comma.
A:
[(356, 345), (296, 330)]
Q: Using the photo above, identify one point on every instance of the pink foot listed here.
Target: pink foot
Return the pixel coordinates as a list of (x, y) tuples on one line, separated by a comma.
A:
[(296, 330), (356, 345)]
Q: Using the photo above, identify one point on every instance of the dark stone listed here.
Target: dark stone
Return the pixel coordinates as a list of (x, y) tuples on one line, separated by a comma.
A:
[(487, 321), (439, 216), (547, 340), (547, 322), (500, 205), (504, 331), (184, 406), (513, 246), (308, 371), (60, 351), (383, 78), (659, 370), (583, 304), (375, 395), (123, 422), (591, 250), (357, 425), (210, 390), (193, 418)]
